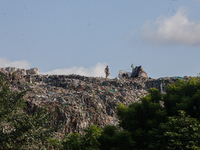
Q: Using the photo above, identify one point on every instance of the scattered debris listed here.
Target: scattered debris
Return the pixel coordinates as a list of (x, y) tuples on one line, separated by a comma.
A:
[(139, 72), (80, 101), (32, 71), (136, 72)]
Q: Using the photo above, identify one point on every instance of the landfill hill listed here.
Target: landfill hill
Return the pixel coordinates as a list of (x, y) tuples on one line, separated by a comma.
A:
[(80, 101)]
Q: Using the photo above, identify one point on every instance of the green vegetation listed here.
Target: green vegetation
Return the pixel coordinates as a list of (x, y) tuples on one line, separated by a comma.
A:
[(179, 132), (89, 141), (158, 121), (168, 121), (113, 139), (18, 129)]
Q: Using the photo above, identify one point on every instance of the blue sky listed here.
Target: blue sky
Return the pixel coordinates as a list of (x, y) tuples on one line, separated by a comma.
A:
[(83, 36)]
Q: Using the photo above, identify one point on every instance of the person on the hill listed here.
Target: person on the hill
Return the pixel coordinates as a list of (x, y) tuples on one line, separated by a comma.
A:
[(107, 71)]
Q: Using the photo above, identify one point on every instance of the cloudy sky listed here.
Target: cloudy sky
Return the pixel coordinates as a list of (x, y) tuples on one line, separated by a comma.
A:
[(83, 36)]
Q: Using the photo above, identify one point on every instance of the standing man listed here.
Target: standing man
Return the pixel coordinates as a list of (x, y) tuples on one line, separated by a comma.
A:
[(107, 71)]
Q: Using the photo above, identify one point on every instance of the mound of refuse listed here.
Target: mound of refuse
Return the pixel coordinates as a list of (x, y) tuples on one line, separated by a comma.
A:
[(80, 101), (13, 70), (137, 72)]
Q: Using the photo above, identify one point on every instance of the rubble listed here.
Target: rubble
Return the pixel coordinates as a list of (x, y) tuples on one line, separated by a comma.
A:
[(32, 71), (124, 74), (80, 101), (138, 72)]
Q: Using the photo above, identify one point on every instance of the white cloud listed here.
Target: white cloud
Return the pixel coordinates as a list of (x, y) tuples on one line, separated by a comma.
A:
[(95, 71), (4, 62), (173, 30)]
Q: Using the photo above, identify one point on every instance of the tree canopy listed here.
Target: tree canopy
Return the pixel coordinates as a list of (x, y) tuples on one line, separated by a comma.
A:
[(173, 116), (18, 129)]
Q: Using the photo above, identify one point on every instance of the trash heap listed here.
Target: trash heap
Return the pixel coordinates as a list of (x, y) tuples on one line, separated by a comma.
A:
[(138, 72), (13, 70), (80, 101)]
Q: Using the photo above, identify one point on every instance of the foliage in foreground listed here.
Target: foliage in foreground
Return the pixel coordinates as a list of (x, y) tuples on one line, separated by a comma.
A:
[(113, 139), (19, 130), (158, 118), (89, 141), (179, 132)]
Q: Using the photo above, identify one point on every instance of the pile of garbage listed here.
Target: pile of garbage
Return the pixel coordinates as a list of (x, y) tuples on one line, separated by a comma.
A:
[(13, 70), (80, 101), (137, 72)]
